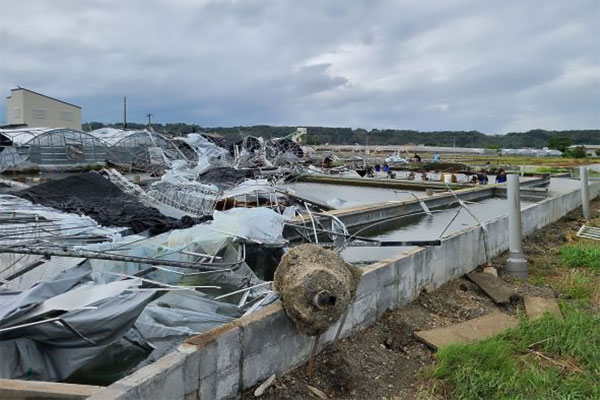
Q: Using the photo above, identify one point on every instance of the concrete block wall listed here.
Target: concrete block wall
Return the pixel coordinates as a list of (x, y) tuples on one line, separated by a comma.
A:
[(226, 360)]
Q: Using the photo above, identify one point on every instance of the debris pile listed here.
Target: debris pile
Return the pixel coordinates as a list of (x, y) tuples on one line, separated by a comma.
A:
[(92, 195)]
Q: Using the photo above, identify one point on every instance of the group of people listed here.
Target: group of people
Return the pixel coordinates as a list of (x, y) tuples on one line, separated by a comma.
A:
[(482, 178)]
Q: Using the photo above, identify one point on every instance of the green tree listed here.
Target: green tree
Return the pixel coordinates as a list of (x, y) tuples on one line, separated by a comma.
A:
[(558, 142), (577, 152)]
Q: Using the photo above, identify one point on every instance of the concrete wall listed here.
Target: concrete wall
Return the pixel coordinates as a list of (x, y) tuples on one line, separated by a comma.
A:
[(224, 361)]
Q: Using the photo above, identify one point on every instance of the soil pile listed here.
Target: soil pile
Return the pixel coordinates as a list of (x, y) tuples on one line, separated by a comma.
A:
[(316, 286), (102, 200), (224, 177)]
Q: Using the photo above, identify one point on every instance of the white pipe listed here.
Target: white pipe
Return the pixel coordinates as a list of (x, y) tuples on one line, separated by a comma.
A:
[(585, 193), (516, 265)]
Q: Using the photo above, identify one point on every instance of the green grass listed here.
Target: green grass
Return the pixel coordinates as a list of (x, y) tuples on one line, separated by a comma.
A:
[(581, 255), (550, 170), (513, 365), (577, 285)]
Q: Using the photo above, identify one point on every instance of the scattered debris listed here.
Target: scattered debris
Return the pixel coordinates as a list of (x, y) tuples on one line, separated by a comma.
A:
[(499, 290), (536, 307), (473, 330), (260, 390), (490, 270), (317, 392), (589, 232)]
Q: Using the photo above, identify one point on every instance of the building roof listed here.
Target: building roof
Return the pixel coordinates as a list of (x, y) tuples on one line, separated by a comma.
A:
[(587, 146), (43, 95)]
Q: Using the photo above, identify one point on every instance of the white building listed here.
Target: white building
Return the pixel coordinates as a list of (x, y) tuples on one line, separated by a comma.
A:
[(35, 110), (590, 149)]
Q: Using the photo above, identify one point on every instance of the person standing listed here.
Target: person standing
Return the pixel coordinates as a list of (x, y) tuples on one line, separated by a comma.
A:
[(501, 176)]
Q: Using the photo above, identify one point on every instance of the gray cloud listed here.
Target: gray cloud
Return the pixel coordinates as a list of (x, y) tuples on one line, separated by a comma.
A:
[(491, 66)]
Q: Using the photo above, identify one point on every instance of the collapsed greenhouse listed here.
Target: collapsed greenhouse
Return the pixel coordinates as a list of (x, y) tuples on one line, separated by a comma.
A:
[(44, 147)]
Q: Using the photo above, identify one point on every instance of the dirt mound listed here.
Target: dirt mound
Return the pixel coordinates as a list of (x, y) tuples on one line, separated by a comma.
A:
[(224, 177), (100, 199), (316, 286)]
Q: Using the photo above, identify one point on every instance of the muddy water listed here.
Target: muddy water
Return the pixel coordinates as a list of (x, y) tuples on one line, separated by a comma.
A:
[(424, 227), (349, 196)]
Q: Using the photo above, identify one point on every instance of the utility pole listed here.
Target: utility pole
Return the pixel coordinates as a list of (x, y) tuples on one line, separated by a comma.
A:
[(124, 112), (585, 193)]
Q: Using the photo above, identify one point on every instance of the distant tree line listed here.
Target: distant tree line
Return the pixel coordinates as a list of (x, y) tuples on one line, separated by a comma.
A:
[(536, 138)]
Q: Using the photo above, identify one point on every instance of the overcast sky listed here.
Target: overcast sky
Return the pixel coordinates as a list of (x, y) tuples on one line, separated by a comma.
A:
[(493, 66)]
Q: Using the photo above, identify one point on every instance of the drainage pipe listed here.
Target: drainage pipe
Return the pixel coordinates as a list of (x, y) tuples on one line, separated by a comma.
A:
[(585, 193), (516, 265)]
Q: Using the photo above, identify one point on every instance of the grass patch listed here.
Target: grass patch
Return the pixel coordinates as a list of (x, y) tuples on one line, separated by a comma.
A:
[(545, 359), (581, 255), (577, 285), (550, 170)]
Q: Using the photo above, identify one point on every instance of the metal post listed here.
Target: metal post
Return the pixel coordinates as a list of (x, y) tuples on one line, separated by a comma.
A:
[(516, 265), (585, 193)]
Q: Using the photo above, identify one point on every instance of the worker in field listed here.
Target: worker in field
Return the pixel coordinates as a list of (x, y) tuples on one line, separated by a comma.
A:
[(501, 176), (482, 177)]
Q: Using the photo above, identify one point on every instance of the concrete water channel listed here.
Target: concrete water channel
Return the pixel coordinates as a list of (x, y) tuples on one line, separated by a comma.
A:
[(224, 361)]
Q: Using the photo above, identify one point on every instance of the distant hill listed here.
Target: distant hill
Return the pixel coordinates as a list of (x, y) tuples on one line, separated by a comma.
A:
[(537, 138)]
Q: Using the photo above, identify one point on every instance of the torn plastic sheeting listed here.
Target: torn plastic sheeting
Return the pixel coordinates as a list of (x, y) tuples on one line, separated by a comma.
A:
[(207, 151), (208, 238), (27, 359), (249, 187), (183, 314), (76, 298), (106, 322), (261, 224), (10, 157), (13, 306), (46, 270)]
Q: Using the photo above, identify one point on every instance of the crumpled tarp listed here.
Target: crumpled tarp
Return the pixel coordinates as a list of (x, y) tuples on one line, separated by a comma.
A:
[(260, 224), (53, 351)]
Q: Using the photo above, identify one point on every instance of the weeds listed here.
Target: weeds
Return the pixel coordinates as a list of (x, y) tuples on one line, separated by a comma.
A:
[(577, 285), (581, 255), (546, 358)]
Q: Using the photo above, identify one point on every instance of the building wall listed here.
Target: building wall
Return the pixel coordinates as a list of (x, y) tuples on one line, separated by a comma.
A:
[(34, 110), (14, 108)]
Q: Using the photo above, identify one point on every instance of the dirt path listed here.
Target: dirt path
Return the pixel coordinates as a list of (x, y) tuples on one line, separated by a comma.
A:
[(385, 361)]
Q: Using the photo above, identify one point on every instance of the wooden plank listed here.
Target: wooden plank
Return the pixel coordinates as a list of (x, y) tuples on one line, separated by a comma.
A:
[(497, 289), (17, 390), (469, 331)]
